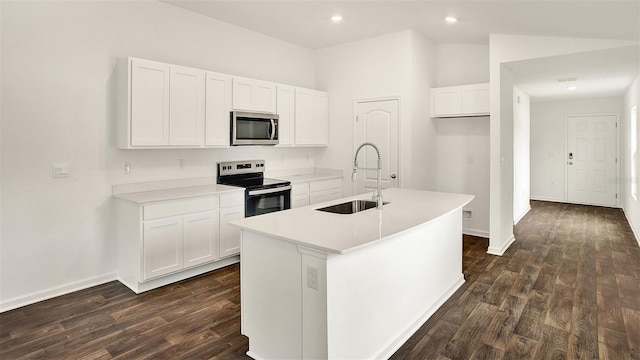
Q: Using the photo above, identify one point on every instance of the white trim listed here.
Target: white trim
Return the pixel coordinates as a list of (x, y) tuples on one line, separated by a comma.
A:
[(476, 232), (500, 251), (525, 212), (636, 232), (407, 333), (618, 157), (50, 293), (544, 198)]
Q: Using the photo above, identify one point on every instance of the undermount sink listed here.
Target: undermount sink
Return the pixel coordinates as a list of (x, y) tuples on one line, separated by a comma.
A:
[(351, 207)]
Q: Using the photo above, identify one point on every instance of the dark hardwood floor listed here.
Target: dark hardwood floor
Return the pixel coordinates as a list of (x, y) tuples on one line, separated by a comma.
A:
[(568, 288)]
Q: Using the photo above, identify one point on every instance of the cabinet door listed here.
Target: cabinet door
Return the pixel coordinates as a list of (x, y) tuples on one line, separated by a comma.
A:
[(201, 237), (242, 94), (186, 119), (149, 103), (217, 109), (162, 246), (264, 96), (304, 117), (475, 99), (299, 195), (320, 118), (446, 101), (286, 112), (230, 235)]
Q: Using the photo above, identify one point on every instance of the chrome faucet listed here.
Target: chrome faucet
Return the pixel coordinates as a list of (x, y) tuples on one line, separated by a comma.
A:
[(378, 195)]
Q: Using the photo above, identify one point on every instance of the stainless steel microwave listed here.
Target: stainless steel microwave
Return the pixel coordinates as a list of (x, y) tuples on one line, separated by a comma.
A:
[(249, 128)]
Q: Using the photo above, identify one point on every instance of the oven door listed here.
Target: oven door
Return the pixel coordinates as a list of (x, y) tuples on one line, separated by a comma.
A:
[(263, 201)]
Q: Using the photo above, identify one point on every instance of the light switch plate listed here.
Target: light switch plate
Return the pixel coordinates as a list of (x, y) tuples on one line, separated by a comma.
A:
[(61, 170)]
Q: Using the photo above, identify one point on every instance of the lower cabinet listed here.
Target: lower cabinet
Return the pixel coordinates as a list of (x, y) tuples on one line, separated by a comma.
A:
[(169, 241), (314, 192)]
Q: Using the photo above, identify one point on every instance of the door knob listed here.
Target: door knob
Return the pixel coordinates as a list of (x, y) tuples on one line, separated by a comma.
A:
[(393, 176), (570, 162)]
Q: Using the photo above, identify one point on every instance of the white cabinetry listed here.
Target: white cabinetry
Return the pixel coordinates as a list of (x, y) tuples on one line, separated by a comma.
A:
[(254, 95), (231, 208), (286, 112), (324, 190), (311, 117), (458, 101), (218, 106), (167, 241), (299, 194), (162, 246), (315, 191), (164, 106)]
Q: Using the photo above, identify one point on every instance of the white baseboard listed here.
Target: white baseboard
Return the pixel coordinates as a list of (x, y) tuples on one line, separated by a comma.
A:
[(38, 296), (635, 231), (405, 335), (476, 232), (500, 251), (544, 198), (515, 222)]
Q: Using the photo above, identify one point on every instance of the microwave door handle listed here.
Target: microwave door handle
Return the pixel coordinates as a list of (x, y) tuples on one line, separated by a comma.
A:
[(273, 129)]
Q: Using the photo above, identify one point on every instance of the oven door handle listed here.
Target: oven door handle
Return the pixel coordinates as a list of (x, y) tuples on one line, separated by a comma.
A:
[(269, 191)]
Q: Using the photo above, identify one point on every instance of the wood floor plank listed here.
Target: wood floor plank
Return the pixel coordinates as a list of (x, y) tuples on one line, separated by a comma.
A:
[(560, 249)]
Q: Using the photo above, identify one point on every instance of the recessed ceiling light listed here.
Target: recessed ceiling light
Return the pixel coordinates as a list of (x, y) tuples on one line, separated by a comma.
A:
[(572, 87), (336, 18), (451, 19)]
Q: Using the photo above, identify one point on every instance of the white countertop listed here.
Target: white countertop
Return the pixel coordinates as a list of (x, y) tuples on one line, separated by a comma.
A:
[(144, 197), (339, 233), (308, 177)]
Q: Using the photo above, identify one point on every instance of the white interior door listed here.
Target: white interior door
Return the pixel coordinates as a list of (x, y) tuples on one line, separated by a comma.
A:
[(377, 122), (592, 160)]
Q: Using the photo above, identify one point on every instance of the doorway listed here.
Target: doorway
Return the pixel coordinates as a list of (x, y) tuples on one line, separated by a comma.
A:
[(377, 122), (592, 160)]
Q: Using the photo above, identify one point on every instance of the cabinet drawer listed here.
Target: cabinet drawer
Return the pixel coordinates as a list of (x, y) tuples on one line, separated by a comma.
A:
[(325, 184), (178, 207), (232, 199)]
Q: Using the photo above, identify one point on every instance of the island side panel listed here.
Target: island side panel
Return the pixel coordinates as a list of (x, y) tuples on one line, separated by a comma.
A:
[(271, 298), (380, 295)]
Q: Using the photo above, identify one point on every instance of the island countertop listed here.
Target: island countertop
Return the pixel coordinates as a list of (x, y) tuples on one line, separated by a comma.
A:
[(340, 233)]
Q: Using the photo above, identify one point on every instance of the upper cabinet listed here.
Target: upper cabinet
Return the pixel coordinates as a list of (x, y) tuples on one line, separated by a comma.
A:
[(254, 95), (458, 101), (218, 106), (286, 115), (165, 106), (311, 117)]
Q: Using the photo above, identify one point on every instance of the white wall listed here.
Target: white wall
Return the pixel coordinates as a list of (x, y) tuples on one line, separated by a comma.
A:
[(630, 205), (57, 98), (463, 143), (504, 49), (548, 138), (462, 64), (398, 64), (521, 154)]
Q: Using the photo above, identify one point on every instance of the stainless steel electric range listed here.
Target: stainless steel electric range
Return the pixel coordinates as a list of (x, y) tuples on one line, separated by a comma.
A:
[(262, 195)]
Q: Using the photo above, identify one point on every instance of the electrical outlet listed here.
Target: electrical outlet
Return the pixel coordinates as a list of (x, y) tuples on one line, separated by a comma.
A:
[(467, 214), (126, 167), (312, 277), (61, 170)]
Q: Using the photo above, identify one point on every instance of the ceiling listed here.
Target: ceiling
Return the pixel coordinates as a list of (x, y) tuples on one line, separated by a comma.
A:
[(603, 73), (307, 23)]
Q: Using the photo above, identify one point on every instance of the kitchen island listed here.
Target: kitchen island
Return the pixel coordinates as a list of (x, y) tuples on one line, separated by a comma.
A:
[(319, 285)]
